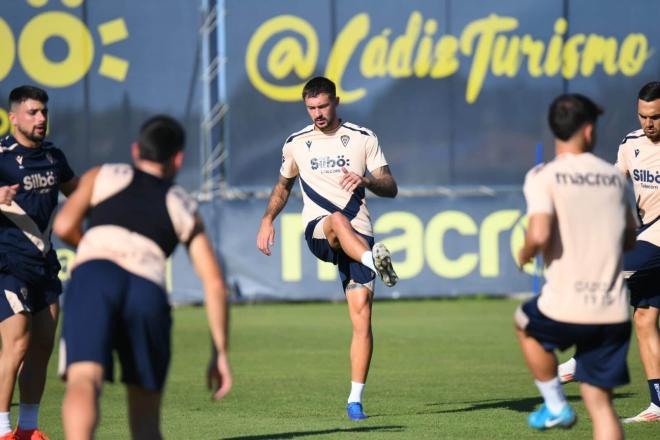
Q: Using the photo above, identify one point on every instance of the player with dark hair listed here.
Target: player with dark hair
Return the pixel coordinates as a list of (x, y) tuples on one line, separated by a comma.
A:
[(584, 301), (116, 298), (336, 160), (639, 158), (32, 173)]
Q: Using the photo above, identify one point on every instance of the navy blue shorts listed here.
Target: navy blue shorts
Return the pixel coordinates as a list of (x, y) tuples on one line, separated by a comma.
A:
[(19, 296), (107, 308), (601, 349), (644, 286), (349, 269)]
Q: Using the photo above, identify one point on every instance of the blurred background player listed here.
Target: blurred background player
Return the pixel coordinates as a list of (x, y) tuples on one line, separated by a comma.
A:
[(116, 297), (32, 173), (580, 222), (639, 158), (332, 158)]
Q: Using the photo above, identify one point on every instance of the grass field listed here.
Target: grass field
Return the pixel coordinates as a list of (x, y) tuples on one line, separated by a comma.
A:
[(442, 369)]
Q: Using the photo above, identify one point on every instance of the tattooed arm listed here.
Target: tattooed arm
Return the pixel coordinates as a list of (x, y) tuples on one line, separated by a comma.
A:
[(277, 201)]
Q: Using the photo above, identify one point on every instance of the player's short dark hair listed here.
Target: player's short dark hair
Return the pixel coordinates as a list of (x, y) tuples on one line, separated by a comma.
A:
[(161, 137), (23, 93), (650, 91), (318, 85), (569, 112)]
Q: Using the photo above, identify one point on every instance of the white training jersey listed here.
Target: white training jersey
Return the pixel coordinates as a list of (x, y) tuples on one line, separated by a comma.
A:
[(318, 158), (639, 158), (586, 197)]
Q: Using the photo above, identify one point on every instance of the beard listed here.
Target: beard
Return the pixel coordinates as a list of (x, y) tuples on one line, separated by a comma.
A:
[(32, 135)]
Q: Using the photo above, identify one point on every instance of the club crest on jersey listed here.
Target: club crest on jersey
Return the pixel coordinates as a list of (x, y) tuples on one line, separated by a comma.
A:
[(344, 139), (50, 158), (636, 152), (19, 160), (309, 144)]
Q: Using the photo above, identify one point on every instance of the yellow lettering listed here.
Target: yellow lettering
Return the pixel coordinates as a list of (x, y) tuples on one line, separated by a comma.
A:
[(599, 50), (410, 241), (373, 62), (326, 271), (342, 52), (7, 49), (534, 51), (79, 42), (4, 122), (434, 244), (572, 55), (484, 32), (506, 60), (296, 59), (446, 61), (634, 53), (65, 257), (517, 240), (489, 249), (423, 57), (553, 58), (291, 229), (400, 61)]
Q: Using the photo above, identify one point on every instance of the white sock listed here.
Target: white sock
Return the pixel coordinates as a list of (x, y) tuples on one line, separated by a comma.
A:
[(368, 260), (28, 415), (356, 392), (567, 367), (5, 423), (553, 394)]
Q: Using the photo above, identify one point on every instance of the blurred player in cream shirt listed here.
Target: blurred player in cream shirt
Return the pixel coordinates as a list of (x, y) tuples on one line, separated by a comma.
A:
[(639, 158), (580, 221)]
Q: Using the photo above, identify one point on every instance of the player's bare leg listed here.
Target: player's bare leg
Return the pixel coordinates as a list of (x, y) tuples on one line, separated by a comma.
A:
[(598, 401), (32, 377), (144, 413), (15, 335), (555, 411), (340, 234), (648, 338), (360, 301), (80, 409)]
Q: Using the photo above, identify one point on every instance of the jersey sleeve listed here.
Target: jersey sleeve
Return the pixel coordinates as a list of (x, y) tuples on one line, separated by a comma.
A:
[(375, 156), (537, 193), (289, 169), (622, 161), (182, 209)]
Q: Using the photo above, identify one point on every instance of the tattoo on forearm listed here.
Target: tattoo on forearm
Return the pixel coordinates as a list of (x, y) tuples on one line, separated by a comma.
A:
[(279, 197)]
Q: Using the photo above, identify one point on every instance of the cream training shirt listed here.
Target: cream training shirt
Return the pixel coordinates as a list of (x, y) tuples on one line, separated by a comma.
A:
[(586, 197), (318, 158)]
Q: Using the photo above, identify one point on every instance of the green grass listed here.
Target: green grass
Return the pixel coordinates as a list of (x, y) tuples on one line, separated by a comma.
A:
[(447, 369)]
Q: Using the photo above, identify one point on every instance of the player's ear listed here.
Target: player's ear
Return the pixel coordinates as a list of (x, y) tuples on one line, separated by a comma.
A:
[(135, 152), (588, 131), (178, 160)]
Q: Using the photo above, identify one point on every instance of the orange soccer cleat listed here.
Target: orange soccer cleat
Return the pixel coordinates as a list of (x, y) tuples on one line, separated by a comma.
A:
[(28, 434)]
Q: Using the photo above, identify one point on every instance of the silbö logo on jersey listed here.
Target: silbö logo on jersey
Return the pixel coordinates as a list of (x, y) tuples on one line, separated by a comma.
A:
[(646, 177), (39, 181), (328, 164), (589, 179)]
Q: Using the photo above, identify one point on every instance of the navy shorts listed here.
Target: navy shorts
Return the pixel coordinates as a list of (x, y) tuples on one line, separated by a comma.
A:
[(107, 308), (601, 349), (19, 296), (349, 269), (644, 286)]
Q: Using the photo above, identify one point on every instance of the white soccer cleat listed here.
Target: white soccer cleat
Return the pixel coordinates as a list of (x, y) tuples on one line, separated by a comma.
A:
[(650, 414), (383, 264), (566, 371)]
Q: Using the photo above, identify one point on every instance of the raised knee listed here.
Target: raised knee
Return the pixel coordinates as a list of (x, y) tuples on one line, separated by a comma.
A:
[(337, 219), (645, 320)]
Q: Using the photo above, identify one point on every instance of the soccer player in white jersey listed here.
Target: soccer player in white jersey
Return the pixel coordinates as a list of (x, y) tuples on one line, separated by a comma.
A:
[(116, 299), (639, 158), (580, 221), (336, 160)]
